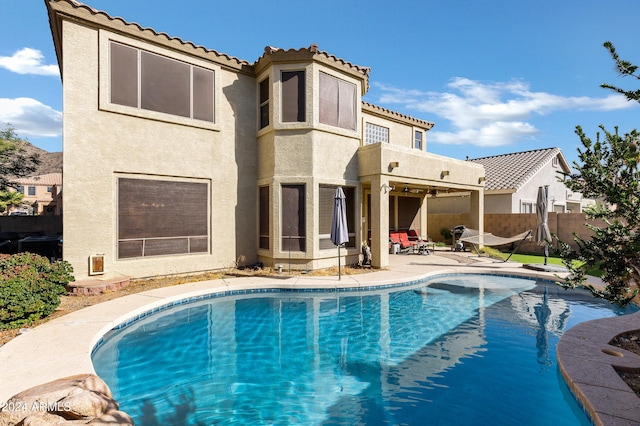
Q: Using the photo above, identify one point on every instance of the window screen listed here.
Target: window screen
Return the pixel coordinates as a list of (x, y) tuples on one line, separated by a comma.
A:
[(264, 217), (157, 217), (293, 96), (124, 75), (165, 85), (337, 102), (293, 218), (264, 103), (152, 82), (325, 214), (409, 212)]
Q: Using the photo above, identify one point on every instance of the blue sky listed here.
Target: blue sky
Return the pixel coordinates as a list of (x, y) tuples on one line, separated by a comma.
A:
[(495, 76)]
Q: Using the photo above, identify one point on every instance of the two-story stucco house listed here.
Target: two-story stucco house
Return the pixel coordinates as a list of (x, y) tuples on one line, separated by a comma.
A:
[(178, 158), (42, 193)]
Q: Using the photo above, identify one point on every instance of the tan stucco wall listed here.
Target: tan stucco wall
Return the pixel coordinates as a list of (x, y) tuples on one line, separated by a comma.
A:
[(99, 145)]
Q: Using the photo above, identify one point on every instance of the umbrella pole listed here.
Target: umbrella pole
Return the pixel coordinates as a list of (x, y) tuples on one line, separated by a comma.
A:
[(339, 263)]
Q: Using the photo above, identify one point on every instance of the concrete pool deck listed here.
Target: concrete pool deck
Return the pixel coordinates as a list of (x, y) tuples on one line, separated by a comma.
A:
[(62, 347)]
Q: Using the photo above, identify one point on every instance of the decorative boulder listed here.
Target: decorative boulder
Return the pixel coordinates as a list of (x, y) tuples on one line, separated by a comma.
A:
[(82, 399)]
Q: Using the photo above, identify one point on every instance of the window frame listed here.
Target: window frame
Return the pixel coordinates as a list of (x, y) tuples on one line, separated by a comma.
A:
[(104, 95), (264, 217), (325, 116), (325, 215), (301, 214), (418, 143), (264, 104), (203, 185), (300, 91), (527, 205)]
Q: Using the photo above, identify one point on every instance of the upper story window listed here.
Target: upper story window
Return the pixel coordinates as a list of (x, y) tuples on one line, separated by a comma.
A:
[(32, 191), (418, 139), (20, 189), (49, 189), (264, 103), (293, 97), (337, 102), (374, 134), (148, 81)]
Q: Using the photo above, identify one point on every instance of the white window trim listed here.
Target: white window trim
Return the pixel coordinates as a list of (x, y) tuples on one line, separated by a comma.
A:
[(527, 202), (104, 101)]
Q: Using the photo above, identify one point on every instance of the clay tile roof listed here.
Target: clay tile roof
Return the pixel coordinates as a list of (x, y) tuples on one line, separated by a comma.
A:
[(394, 114), (48, 179), (512, 171), (313, 48), (79, 5)]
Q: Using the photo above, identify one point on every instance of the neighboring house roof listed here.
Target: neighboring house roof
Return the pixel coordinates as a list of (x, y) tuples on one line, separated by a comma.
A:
[(512, 171), (49, 179)]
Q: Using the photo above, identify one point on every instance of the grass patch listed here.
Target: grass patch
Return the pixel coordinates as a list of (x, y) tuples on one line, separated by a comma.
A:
[(535, 259)]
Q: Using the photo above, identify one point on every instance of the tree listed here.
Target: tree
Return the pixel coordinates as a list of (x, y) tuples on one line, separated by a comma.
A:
[(14, 161), (608, 171), (10, 199)]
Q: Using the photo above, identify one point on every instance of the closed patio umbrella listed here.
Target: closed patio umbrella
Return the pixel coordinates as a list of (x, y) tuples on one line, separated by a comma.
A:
[(543, 235), (339, 230)]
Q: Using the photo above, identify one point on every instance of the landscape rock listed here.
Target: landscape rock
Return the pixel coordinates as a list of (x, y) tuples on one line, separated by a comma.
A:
[(82, 399)]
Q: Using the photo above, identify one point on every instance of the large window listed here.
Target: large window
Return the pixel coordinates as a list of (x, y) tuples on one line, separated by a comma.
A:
[(293, 218), (293, 97), (152, 82), (337, 102), (374, 134), (264, 103), (325, 214), (160, 217), (264, 222)]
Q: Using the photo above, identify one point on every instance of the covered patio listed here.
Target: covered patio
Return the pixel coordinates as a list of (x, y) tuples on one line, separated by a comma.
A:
[(397, 184)]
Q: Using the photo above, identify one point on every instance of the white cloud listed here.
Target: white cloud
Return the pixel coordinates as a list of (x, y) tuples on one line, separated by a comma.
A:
[(28, 61), (491, 114), (30, 117)]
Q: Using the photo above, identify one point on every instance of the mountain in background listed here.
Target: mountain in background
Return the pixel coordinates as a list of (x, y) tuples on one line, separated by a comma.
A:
[(50, 162)]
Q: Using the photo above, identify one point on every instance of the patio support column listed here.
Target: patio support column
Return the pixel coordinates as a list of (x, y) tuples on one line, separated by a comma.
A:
[(476, 212), (379, 222), (424, 232)]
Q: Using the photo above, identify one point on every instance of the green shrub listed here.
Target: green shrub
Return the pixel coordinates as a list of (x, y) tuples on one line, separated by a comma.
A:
[(30, 288)]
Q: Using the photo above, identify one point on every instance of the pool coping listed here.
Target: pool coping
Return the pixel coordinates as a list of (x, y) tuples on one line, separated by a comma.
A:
[(588, 365), (63, 346)]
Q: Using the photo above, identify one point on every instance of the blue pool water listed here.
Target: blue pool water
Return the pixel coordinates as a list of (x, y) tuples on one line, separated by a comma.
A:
[(454, 350)]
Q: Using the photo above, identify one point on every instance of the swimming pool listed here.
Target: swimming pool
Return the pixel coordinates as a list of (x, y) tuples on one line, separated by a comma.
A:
[(456, 349)]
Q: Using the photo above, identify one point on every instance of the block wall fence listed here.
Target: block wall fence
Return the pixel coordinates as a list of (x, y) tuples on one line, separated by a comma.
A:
[(564, 225)]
